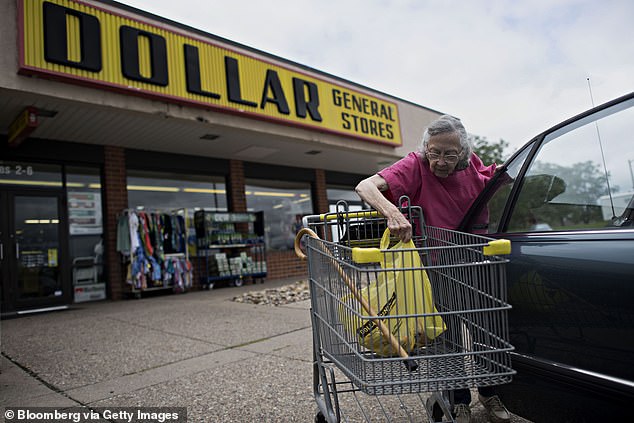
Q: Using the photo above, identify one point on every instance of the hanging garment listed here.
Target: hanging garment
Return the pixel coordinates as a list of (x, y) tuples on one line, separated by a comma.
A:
[(158, 237), (133, 223), (168, 247), (123, 235), (144, 234), (139, 269), (155, 270), (181, 233)]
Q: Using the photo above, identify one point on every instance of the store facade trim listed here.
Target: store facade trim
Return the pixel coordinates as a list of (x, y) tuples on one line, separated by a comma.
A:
[(79, 43)]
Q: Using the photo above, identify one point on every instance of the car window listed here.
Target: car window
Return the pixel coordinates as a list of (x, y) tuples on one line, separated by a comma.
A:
[(502, 189), (581, 178)]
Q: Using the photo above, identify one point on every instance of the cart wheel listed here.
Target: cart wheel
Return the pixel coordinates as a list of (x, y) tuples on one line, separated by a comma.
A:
[(320, 418), (238, 282), (434, 410), (437, 413)]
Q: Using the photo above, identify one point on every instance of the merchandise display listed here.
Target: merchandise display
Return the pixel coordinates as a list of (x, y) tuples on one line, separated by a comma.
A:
[(153, 246), (232, 246)]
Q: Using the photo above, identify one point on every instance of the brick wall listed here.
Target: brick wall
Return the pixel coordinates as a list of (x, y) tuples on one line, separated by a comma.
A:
[(116, 199), (237, 199), (320, 194), (284, 264)]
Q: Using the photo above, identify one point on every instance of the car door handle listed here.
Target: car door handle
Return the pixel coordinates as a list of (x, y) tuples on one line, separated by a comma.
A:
[(17, 251)]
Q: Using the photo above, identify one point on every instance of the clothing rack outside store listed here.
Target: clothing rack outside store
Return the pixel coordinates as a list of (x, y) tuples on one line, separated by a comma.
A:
[(160, 261)]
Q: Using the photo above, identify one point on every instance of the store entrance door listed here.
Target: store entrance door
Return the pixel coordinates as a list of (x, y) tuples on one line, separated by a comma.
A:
[(34, 271)]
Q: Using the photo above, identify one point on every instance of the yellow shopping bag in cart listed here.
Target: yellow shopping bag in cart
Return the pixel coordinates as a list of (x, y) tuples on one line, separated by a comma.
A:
[(402, 287)]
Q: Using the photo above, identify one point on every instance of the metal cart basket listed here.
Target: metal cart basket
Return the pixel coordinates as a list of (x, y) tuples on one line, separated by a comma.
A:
[(466, 274)]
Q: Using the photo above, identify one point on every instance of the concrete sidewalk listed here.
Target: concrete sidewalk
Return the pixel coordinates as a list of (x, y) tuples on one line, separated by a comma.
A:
[(225, 361)]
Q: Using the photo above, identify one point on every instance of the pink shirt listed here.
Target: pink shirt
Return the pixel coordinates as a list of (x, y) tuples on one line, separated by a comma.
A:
[(445, 201)]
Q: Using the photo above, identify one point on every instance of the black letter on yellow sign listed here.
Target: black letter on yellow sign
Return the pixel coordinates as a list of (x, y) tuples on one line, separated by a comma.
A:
[(233, 83), (301, 104), (192, 70), (129, 41), (56, 38), (273, 82)]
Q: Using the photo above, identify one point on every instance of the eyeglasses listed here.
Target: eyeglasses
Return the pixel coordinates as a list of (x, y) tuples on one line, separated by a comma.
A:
[(449, 158)]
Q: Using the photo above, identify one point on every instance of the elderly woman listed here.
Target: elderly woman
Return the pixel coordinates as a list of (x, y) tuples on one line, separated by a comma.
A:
[(443, 177)]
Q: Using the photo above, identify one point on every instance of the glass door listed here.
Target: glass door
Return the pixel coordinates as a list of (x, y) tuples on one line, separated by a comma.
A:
[(4, 260), (33, 266)]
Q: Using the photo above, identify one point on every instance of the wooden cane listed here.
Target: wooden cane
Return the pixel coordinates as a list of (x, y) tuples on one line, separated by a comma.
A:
[(385, 332)]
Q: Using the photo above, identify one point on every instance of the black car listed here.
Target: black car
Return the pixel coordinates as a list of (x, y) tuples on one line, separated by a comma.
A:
[(566, 202)]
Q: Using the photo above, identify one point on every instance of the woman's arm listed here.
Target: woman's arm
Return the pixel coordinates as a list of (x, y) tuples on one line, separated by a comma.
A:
[(370, 190)]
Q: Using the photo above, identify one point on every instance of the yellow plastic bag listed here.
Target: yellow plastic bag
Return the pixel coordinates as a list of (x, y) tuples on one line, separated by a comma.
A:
[(402, 287)]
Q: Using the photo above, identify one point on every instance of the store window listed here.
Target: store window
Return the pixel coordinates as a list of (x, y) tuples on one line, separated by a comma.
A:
[(85, 227), (284, 203), (32, 175), (83, 187), (176, 193), (171, 191)]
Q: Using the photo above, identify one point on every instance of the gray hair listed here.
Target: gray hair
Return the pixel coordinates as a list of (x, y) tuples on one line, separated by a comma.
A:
[(445, 124)]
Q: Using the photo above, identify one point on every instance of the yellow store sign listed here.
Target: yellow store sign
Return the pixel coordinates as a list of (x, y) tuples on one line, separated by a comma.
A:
[(76, 42)]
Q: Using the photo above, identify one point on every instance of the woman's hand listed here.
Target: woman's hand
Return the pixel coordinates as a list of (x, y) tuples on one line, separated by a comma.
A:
[(370, 191), (399, 226)]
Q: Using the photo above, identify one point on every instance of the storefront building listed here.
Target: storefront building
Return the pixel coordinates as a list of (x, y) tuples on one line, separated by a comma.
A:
[(108, 111)]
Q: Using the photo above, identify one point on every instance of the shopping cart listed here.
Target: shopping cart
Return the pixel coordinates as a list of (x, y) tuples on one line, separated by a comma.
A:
[(351, 381)]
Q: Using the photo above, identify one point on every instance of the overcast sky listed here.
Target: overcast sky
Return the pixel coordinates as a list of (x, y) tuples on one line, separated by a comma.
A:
[(509, 69)]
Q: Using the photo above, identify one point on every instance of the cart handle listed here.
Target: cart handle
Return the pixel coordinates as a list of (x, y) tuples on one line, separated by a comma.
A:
[(497, 247), (298, 238), (385, 331), (366, 255), (354, 214)]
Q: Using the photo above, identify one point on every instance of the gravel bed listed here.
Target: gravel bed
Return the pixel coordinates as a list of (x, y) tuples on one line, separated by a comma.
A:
[(298, 291)]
